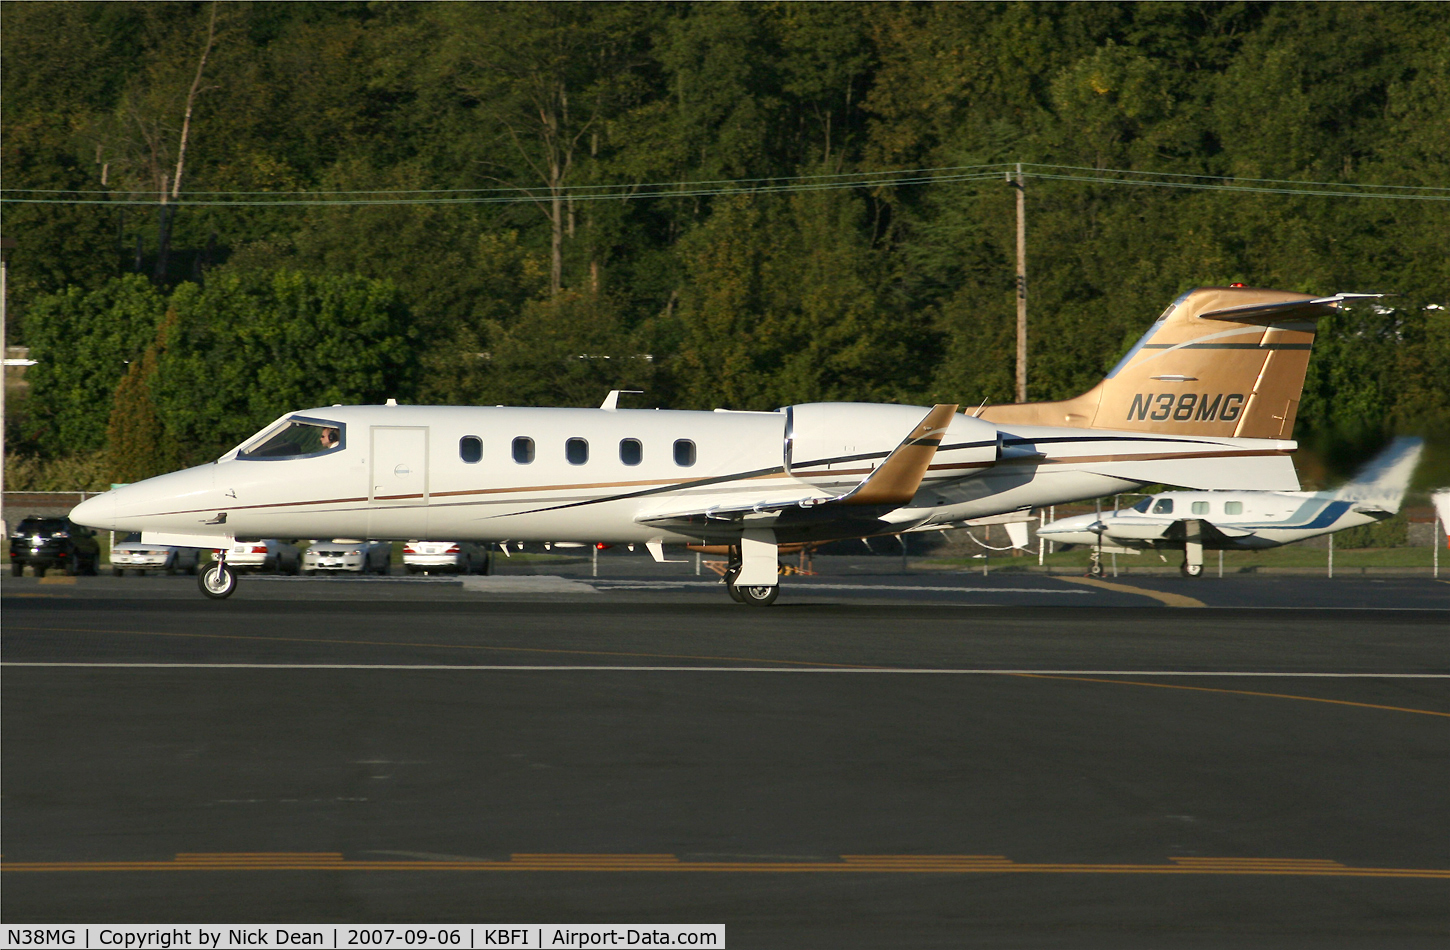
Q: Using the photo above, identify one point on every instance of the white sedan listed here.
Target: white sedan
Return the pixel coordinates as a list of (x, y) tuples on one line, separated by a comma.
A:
[(344, 555), (131, 554), (265, 556), (459, 557)]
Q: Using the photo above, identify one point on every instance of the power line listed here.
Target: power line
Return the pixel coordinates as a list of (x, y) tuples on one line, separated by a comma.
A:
[(754, 186)]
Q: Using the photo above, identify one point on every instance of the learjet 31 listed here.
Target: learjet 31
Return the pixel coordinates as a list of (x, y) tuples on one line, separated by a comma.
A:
[(1206, 399)]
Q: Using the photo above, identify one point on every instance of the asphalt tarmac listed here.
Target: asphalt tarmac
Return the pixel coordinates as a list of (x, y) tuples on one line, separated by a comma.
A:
[(895, 760)]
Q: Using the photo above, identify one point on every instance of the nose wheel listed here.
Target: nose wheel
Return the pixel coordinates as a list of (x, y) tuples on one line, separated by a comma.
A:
[(216, 580)]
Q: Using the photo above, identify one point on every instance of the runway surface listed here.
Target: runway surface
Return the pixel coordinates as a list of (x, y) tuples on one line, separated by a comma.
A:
[(897, 760)]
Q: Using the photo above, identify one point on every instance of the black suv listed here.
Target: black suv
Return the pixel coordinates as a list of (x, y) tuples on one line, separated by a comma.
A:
[(44, 543)]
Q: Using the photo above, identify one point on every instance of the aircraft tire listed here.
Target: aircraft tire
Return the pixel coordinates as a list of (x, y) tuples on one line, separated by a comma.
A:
[(217, 581), (1095, 570), (1192, 570), (17, 568), (758, 596)]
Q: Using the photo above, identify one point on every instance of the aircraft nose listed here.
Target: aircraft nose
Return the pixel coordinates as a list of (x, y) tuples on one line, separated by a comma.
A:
[(97, 512)]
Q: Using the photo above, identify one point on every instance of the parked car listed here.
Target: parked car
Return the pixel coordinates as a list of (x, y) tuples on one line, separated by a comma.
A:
[(267, 556), (361, 557), (131, 554), (458, 557), (44, 543)]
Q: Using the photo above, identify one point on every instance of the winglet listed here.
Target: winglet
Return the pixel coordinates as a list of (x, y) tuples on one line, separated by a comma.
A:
[(896, 480)]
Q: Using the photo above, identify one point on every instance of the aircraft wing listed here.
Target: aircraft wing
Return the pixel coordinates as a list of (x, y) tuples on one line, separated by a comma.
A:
[(1178, 531), (890, 485)]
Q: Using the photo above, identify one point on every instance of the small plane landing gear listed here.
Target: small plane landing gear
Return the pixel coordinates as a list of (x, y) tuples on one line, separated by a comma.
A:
[(1191, 570), (1095, 564), (216, 580)]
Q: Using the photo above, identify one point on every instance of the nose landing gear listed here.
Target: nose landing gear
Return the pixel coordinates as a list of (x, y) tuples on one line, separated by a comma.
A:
[(216, 580)]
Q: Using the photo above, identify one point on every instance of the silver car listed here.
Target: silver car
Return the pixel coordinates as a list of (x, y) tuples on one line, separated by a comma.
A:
[(344, 555), (265, 556), (130, 554), (457, 557)]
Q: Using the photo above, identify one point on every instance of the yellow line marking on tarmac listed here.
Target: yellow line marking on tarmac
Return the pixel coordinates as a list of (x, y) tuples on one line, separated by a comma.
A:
[(450, 646), (1172, 600), (669, 863), (1239, 692)]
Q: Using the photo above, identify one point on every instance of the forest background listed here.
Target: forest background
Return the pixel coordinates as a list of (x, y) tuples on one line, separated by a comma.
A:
[(222, 212)]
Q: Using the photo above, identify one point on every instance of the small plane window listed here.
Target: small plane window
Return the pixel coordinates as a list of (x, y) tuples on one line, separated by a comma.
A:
[(684, 452), (1233, 507), (577, 451), (470, 449), (523, 450), (630, 451), (1142, 505), (1163, 507), (295, 438), (1200, 507)]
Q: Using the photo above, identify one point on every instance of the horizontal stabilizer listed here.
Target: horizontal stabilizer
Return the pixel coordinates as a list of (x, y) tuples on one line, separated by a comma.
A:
[(1266, 313)]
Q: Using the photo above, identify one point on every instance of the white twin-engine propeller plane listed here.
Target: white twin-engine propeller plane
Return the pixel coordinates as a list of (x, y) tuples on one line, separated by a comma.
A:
[(1206, 399)]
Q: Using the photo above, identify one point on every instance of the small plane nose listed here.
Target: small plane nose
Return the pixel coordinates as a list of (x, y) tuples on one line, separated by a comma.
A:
[(97, 512)]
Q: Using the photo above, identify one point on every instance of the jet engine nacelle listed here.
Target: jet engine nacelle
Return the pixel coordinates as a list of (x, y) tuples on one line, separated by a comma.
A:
[(826, 443)]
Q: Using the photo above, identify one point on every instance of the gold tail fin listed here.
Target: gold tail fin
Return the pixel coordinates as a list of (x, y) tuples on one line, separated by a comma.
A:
[(1220, 361)]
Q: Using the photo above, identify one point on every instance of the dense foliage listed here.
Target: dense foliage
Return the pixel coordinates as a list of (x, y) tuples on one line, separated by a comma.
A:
[(732, 294)]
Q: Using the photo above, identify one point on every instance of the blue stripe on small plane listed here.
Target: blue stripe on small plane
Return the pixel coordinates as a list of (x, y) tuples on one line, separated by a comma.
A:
[(1326, 516)]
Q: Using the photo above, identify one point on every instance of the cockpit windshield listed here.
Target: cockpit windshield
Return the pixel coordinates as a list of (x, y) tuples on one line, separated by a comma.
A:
[(1143, 505), (296, 438)]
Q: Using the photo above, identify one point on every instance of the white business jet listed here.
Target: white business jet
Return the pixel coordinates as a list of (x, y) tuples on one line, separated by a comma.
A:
[(1243, 520), (1206, 399)]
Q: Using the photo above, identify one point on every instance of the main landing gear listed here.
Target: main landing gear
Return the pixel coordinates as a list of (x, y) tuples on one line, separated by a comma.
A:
[(216, 580), (753, 574)]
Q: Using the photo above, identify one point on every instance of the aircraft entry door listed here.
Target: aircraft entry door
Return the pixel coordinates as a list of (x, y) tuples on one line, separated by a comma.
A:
[(399, 466)]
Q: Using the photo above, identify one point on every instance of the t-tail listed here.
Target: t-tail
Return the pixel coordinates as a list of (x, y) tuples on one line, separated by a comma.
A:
[(1220, 361)]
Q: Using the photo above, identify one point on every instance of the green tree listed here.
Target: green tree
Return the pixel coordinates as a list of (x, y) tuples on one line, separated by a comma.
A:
[(255, 344), (82, 343)]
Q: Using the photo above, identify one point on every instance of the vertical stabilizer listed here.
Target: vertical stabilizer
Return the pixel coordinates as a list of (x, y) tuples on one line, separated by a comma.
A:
[(1383, 481), (1220, 361)]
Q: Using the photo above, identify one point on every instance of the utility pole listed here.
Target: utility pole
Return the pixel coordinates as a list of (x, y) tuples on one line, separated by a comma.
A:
[(1021, 186)]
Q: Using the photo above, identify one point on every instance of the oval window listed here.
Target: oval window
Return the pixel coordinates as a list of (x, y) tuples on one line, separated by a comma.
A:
[(684, 452), (470, 448), (576, 451), (630, 451), (523, 450)]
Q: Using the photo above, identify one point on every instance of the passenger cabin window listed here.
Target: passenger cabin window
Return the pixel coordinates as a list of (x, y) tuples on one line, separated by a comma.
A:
[(297, 438), (630, 451), (1200, 507), (1163, 507), (576, 451), (523, 450), (1233, 507), (470, 449), (684, 452)]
